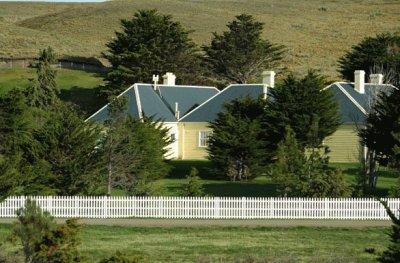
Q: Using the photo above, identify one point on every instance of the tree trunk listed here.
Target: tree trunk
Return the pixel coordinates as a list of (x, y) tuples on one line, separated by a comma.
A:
[(370, 170)]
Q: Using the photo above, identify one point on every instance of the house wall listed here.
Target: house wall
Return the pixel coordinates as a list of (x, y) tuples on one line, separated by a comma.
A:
[(189, 141), (344, 145), (173, 148)]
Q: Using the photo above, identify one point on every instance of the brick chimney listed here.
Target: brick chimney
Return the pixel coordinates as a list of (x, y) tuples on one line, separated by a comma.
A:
[(268, 78), (359, 81), (169, 79)]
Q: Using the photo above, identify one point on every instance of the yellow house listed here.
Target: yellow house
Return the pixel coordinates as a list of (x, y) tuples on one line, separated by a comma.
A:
[(187, 111)]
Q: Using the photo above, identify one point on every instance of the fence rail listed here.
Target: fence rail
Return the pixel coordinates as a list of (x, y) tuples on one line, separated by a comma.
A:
[(205, 207)]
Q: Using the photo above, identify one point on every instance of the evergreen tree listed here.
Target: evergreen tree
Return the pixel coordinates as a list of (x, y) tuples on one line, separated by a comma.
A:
[(44, 92), (68, 146), (303, 174), (134, 150), (193, 185), (59, 245), (33, 224), (382, 125), (240, 54), (392, 254), (289, 165), (235, 145), (151, 43), (300, 104), (381, 51)]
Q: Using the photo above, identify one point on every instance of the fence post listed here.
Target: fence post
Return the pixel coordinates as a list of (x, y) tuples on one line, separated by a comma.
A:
[(105, 206)]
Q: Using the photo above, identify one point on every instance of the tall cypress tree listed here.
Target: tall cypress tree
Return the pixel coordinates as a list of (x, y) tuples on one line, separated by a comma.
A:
[(300, 104), (240, 54), (44, 92), (235, 145)]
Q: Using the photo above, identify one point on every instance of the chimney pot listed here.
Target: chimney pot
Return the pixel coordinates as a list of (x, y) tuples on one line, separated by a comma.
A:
[(359, 81), (169, 79), (268, 78), (376, 78)]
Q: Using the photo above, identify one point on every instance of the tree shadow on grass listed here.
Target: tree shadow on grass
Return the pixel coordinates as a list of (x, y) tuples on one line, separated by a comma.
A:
[(181, 168), (239, 189), (87, 99)]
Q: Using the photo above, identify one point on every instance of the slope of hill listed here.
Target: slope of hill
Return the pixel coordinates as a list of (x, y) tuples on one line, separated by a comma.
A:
[(316, 32)]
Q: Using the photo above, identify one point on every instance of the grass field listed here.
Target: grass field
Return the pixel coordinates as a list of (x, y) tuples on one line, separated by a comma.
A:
[(229, 244), (76, 86), (316, 32), (260, 186)]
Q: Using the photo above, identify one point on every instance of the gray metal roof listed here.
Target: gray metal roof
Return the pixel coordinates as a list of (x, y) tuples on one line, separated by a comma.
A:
[(187, 97), (353, 105), (208, 111), (102, 114), (160, 103)]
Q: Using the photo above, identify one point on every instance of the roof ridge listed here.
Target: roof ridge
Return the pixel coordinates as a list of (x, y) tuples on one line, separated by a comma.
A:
[(212, 97)]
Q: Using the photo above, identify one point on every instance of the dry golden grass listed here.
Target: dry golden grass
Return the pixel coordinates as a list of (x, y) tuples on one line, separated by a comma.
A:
[(316, 32)]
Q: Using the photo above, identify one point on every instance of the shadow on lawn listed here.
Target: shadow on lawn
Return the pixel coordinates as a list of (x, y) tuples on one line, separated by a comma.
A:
[(239, 189), (87, 99)]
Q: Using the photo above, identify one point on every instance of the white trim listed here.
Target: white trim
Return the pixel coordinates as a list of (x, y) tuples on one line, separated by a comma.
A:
[(351, 98), (180, 86), (138, 103), (183, 141), (108, 103)]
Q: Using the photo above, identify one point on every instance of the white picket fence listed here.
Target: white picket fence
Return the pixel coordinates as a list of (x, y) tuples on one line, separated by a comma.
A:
[(205, 207)]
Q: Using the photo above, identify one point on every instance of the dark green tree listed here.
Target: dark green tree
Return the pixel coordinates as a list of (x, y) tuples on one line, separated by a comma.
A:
[(59, 244), (33, 224), (134, 150), (382, 51), (240, 54), (148, 142), (21, 170), (303, 174), (44, 91), (193, 185), (379, 134), (151, 43), (301, 104), (289, 165), (392, 253), (235, 146), (68, 145)]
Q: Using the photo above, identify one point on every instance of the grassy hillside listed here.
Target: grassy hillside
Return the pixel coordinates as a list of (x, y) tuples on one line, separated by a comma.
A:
[(316, 32)]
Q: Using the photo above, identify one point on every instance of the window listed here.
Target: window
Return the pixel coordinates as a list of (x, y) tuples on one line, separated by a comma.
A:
[(173, 137), (203, 138)]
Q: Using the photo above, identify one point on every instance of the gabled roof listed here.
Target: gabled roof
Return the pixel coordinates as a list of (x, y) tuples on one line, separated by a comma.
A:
[(160, 103), (208, 111), (354, 106)]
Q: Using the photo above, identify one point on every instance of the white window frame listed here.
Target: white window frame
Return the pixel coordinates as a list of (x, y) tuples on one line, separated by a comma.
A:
[(203, 138)]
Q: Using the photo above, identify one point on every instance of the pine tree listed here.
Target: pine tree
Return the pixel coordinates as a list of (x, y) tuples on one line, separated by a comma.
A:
[(392, 254), (44, 92), (240, 54), (300, 104), (382, 125), (151, 43), (235, 145), (134, 150), (381, 51), (289, 165), (68, 145), (193, 185)]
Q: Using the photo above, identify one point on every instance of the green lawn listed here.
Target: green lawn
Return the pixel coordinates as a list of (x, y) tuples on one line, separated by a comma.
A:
[(216, 185), (229, 244), (76, 86)]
